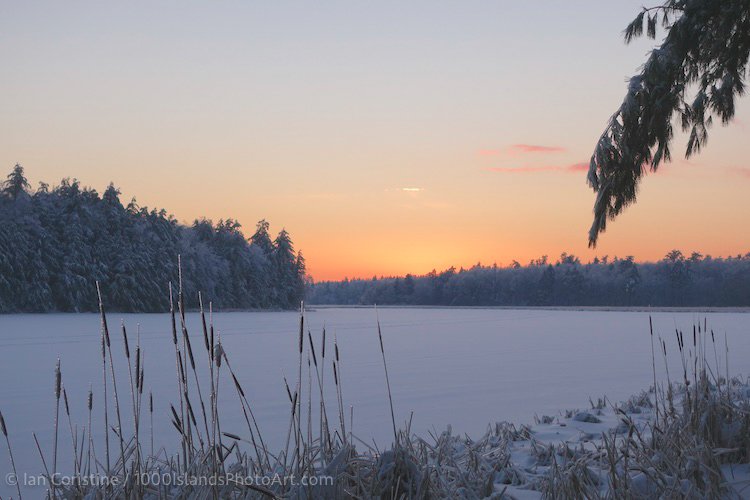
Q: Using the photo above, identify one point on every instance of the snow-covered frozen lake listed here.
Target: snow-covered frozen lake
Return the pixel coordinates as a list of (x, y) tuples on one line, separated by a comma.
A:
[(464, 367)]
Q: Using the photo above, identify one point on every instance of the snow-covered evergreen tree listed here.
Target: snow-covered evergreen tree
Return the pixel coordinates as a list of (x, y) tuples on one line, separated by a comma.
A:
[(56, 242), (16, 183), (693, 76)]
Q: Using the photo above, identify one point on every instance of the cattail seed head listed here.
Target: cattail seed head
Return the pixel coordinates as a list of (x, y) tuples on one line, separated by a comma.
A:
[(203, 323), (237, 385), (177, 426), (125, 339), (182, 369), (189, 349), (288, 391), (695, 343), (171, 311), (91, 400), (380, 337), (312, 348), (65, 399), (174, 413), (3, 428), (58, 380), (190, 411), (137, 364), (323, 349), (218, 353)]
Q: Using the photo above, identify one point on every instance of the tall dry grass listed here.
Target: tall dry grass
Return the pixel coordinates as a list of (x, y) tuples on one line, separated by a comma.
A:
[(701, 423)]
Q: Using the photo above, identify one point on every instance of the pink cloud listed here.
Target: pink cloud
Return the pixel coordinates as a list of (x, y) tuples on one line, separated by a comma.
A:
[(531, 148), (578, 167), (521, 149), (526, 169)]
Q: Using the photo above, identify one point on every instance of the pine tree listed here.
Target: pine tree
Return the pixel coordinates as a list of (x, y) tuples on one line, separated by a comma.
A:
[(285, 270), (16, 184), (60, 240), (705, 51)]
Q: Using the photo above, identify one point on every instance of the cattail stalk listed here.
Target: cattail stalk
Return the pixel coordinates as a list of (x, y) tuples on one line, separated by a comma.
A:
[(151, 418), (653, 366), (189, 352), (219, 355), (209, 353), (44, 462), (323, 417), (137, 410), (293, 401), (351, 423), (73, 437), (58, 383), (4, 430), (132, 390), (185, 441), (299, 374), (309, 402), (248, 413), (105, 328), (388, 383), (322, 387), (184, 360), (716, 360), (130, 368), (726, 359), (339, 389), (90, 402)]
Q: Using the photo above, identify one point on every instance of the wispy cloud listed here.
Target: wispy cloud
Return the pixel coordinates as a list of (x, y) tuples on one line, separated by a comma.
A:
[(517, 150), (533, 148), (412, 189), (527, 169), (581, 166)]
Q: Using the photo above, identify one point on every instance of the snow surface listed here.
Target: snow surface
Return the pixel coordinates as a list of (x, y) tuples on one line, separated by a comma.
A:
[(463, 367)]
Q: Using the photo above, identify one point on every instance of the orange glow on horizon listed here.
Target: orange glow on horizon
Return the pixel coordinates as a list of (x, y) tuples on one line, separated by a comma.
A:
[(386, 138)]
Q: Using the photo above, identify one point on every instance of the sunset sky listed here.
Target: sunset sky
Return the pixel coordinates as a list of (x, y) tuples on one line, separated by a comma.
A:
[(387, 137)]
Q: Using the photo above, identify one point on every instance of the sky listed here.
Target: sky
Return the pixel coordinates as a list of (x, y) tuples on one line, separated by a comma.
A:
[(387, 137)]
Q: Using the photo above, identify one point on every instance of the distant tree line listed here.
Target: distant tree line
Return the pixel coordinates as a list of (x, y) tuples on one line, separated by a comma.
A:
[(56, 242), (676, 280)]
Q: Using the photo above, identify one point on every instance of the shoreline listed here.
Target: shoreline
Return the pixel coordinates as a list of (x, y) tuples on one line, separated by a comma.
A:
[(698, 309), (314, 307)]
